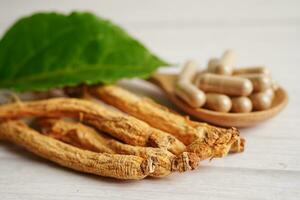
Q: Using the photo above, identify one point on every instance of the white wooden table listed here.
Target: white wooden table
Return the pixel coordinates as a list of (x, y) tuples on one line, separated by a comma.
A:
[(262, 32)]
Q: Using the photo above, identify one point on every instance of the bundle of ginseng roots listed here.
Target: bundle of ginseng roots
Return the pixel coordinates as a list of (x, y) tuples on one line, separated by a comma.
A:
[(140, 139)]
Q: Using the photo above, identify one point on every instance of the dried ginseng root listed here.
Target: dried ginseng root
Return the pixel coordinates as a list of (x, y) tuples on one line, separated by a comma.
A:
[(121, 126), (215, 144), (76, 134), (88, 138), (103, 164), (162, 118)]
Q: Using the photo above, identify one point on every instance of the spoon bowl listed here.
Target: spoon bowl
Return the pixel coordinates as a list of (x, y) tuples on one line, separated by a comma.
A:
[(167, 83)]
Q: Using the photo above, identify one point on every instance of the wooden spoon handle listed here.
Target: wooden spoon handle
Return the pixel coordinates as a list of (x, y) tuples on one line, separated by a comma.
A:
[(164, 81)]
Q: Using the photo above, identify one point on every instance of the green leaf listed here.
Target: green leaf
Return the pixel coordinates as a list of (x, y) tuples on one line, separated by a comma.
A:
[(49, 50)]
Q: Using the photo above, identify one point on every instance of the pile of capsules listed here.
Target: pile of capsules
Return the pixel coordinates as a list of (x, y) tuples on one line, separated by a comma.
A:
[(224, 88)]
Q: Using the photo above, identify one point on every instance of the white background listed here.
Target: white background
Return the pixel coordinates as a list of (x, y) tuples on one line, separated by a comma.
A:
[(262, 32)]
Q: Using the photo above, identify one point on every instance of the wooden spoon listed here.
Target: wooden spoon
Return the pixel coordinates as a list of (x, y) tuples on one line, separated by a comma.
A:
[(167, 82)]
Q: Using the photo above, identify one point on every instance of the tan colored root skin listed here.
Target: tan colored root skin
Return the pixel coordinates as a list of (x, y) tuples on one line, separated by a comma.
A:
[(237, 146), (215, 144), (121, 126), (88, 138), (75, 134), (103, 164), (166, 161), (161, 117), (148, 111)]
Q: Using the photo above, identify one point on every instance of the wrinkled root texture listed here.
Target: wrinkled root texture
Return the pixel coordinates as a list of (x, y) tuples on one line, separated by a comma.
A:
[(191, 133), (216, 143), (103, 164), (88, 138), (121, 126)]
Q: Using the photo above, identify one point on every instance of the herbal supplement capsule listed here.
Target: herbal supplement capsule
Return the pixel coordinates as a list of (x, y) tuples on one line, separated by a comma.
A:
[(261, 82), (212, 63), (261, 101), (229, 85), (217, 102), (252, 70), (224, 65), (241, 105), (188, 71), (270, 93), (186, 90), (190, 94)]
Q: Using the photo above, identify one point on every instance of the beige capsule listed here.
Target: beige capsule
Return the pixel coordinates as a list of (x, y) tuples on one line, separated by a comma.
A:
[(212, 62), (224, 65), (241, 105), (261, 82), (217, 102), (190, 94), (252, 70), (270, 92), (211, 65), (185, 90), (188, 71), (261, 101), (229, 85)]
